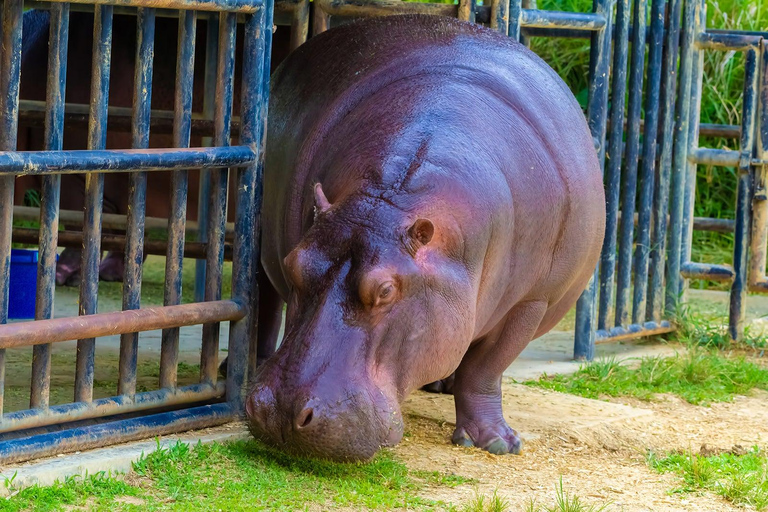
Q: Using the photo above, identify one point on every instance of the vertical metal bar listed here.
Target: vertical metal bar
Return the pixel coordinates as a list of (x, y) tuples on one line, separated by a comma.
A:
[(526, 4), (218, 207), (467, 10), (10, 73), (204, 194), (137, 196), (254, 102), (615, 154), (738, 302), (321, 20), (515, 19), (679, 163), (689, 197), (600, 58), (500, 16), (647, 174), (49, 200), (661, 194), (629, 188), (182, 129), (94, 196), (300, 24)]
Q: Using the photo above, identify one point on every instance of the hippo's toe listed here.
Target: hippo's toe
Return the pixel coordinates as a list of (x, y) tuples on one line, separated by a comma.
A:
[(496, 439)]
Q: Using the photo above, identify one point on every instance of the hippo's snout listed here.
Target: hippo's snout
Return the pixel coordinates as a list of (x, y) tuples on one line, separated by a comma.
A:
[(349, 427)]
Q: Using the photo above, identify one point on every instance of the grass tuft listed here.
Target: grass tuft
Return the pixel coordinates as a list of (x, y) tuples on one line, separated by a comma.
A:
[(741, 478), (698, 376)]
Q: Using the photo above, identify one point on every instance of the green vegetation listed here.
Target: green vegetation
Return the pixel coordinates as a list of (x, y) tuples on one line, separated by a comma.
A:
[(564, 502), (741, 477), (709, 329), (239, 476), (699, 376)]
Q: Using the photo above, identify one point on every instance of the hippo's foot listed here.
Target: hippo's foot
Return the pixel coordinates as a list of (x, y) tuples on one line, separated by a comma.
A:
[(497, 437), (68, 268), (444, 386), (112, 267)]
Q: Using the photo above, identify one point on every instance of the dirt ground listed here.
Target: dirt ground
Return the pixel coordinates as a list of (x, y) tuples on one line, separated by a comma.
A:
[(598, 447)]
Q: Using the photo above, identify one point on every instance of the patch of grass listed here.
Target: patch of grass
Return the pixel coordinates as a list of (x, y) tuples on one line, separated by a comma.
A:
[(697, 329), (481, 503), (698, 376), (239, 476), (739, 478)]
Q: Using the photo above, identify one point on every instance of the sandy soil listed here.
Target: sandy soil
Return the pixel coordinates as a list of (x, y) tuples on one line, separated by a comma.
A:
[(598, 447)]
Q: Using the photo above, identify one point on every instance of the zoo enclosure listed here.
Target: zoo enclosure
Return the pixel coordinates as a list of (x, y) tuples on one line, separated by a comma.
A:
[(656, 66)]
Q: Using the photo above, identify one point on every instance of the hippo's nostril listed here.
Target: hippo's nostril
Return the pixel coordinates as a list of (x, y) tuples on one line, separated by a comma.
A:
[(304, 418)]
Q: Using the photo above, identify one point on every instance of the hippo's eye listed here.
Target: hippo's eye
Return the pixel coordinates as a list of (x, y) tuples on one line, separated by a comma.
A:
[(386, 293)]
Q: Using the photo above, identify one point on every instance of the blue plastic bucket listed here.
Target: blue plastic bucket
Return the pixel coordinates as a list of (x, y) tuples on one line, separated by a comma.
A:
[(23, 286)]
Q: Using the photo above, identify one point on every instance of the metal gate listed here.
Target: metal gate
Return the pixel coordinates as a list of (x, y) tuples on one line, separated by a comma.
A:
[(649, 165)]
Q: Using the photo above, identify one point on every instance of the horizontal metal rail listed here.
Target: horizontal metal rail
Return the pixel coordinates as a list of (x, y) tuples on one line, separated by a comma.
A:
[(634, 331), (727, 41), (242, 6), (74, 240), (556, 19), (32, 418), (709, 156), (108, 220), (710, 272), (38, 332), (121, 160), (96, 436)]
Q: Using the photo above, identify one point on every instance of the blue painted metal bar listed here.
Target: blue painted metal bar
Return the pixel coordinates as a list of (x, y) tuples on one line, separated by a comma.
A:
[(629, 188), (600, 59), (738, 298), (209, 99), (693, 137), (615, 156), (467, 10), (710, 272), (515, 19), (240, 6), (95, 436), (680, 157), (709, 156), (500, 10), (174, 261), (634, 331), (10, 72), (49, 200), (121, 160), (218, 207), (555, 19), (648, 170), (727, 41), (661, 192), (104, 407), (531, 4), (256, 55), (137, 197), (94, 192)]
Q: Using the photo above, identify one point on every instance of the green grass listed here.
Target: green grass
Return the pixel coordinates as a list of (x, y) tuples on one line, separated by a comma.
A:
[(739, 478), (564, 502), (708, 329), (239, 476), (699, 376)]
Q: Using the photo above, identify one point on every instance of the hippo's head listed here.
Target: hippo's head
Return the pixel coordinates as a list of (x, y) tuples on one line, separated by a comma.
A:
[(378, 306)]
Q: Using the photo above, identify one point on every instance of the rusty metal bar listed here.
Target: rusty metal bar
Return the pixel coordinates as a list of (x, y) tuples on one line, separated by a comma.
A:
[(10, 72), (241, 6), (757, 279), (49, 200), (121, 160), (94, 191), (500, 15), (218, 206), (174, 261), (727, 41), (467, 10), (23, 334), (111, 242), (137, 196), (105, 407), (95, 436), (300, 24)]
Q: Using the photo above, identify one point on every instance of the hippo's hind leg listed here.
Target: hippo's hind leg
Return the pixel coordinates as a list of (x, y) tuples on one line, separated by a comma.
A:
[(270, 320), (477, 388)]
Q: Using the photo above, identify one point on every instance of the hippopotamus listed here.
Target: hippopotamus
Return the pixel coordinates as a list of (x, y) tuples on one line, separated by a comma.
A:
[(34, 70), (433, 201)]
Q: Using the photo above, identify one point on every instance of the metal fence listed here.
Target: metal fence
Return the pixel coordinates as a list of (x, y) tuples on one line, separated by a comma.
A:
[(649, 72)]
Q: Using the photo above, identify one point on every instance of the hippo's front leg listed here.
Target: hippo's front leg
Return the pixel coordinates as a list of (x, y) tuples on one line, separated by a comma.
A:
[(477, 387)]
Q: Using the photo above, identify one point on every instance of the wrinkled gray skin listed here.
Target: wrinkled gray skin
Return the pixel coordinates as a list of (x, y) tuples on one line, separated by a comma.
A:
[(432, 203)]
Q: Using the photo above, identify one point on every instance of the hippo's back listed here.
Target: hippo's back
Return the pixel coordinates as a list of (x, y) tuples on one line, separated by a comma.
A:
[(323, 81)]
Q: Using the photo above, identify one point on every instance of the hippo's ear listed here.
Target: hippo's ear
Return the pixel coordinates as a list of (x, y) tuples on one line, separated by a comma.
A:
[(321, 202), (420, 234)]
